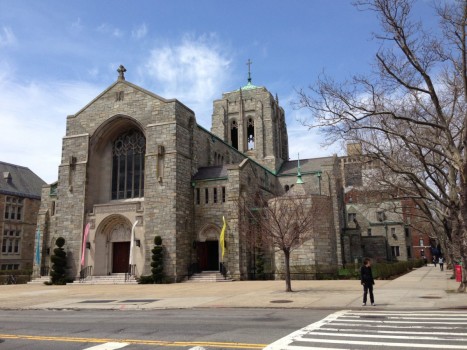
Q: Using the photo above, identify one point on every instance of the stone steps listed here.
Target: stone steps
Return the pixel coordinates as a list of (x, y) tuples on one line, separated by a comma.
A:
[(115, 278), (208, 276), (40, 280)]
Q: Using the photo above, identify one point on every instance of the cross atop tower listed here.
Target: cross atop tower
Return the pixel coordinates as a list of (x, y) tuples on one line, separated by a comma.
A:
[(121, 72), (249, 63)]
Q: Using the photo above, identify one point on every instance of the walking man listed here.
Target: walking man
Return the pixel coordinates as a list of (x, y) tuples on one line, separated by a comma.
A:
[(366, 278), (441, 263)]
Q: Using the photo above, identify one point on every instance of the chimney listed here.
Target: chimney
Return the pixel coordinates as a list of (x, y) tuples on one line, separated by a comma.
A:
[(354, 149)]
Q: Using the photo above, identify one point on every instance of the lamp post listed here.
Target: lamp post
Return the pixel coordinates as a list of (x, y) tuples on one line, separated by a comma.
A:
[(387, 241)]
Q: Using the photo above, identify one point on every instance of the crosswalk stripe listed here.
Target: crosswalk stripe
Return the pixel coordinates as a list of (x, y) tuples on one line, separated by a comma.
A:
[(382, 325), (391, 332), (411, 318), (404, 322), (378, 343), (353, 335)]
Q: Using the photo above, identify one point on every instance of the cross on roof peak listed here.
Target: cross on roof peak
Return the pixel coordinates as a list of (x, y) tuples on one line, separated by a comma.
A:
[(121, 72)]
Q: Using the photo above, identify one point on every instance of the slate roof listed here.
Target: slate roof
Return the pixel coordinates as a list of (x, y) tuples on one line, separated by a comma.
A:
[(306, 165), (19, 181), (211, 172)]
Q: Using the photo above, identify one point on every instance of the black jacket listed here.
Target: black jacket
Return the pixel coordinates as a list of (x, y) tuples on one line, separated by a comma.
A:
[(366, 276)]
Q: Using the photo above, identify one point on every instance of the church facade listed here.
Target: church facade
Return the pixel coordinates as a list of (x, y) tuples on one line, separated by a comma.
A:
[(135, 165)]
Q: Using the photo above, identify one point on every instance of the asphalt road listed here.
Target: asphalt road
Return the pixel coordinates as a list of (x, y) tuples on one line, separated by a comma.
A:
[(154, 329)]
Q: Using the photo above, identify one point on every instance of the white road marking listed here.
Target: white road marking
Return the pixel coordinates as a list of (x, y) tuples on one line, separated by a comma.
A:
[(380, 329), (284, 342), (108, 346), (353, 335), (377, 343)]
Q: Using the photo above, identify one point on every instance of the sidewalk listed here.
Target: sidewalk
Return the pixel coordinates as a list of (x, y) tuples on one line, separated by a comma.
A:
[(423, 288)]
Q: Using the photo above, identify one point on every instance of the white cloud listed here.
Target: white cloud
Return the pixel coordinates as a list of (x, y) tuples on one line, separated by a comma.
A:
[(32, 132), (195, 72), (139, 32), (7, 37), (76, 26), (106, 28)]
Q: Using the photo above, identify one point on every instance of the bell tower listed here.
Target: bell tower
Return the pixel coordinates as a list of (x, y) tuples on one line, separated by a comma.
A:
[(251, 120)]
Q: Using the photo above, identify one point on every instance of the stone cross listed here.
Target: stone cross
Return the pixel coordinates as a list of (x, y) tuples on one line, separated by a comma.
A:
[(249, 62), (121, 72)]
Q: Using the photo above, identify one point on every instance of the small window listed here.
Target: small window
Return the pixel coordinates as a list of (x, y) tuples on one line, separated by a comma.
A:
[(409, 252), (421, 243), (215, 194), (223, 194), (198, 195), (407, 231), (16, 246), (351, 217), (395, 251), (380, 216), (369, 231), (206, 195), (286, 188)]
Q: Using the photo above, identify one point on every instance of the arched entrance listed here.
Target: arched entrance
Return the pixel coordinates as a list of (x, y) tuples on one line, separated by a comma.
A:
[(208, 249), (113, 245)]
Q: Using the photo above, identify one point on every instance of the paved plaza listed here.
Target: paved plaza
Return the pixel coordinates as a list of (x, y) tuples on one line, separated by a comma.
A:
[(424, 288)]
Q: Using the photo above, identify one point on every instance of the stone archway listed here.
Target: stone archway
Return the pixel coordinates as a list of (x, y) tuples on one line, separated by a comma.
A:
[(112, 245), (208, 248)]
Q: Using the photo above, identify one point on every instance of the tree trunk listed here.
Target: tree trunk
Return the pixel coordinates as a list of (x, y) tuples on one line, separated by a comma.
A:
[(288, 285)]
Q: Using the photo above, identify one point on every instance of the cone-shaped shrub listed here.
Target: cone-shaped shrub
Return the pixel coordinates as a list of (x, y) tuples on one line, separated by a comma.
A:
[(59, 264), (157, 263)]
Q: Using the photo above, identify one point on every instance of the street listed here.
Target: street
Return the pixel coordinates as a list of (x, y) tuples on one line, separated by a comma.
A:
[(155, 329)]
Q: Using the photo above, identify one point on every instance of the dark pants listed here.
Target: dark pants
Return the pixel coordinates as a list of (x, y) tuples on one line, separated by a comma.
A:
[(441, 266), (368, 287)]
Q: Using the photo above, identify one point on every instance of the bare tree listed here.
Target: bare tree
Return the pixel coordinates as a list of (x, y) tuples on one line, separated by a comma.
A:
[(282, 223), (411, 113)]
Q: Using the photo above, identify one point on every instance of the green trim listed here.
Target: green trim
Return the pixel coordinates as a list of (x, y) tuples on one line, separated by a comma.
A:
[(314, 172), (211, 179)]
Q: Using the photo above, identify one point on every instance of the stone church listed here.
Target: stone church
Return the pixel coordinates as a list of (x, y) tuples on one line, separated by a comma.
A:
[(135, 165)]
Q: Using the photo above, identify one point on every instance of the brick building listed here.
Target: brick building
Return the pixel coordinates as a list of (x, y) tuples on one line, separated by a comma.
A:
[(20, 198), (135, 164)]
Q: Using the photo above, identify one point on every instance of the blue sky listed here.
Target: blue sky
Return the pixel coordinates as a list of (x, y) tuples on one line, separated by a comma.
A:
[(56, 56)]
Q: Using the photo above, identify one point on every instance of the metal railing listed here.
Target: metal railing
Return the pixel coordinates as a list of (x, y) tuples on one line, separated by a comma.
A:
[(131, 272), (85, 273), (45, 271)]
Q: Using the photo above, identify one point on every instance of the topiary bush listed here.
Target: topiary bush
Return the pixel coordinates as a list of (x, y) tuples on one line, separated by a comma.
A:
[(59, 265), (157, 264), (260, 265)]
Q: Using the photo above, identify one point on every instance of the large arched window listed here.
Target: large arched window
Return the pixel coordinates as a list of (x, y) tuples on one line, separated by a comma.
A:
[(128, 152), (234, 134)]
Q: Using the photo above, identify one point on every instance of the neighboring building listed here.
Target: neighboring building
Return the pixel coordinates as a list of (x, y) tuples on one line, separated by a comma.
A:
[(20, 199), (134, 163), (378, 224)]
